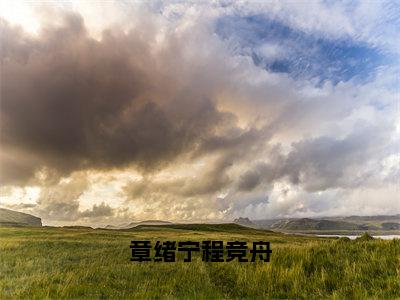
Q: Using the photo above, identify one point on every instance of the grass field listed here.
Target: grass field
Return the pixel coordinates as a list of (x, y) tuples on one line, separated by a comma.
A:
[(84, 263)]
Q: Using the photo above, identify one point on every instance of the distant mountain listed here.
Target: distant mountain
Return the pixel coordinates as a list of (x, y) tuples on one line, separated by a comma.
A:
[(390, 226), (355, 219), (351, 223), (267, 223), (244, 222), (135, 224), (162, 225), (312, 224), (149, 222), (198, 227), (112, 227), (10, 217)]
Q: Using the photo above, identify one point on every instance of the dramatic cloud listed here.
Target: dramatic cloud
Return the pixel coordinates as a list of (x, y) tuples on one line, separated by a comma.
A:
[(322, 163), (95, 104), (198, 111)]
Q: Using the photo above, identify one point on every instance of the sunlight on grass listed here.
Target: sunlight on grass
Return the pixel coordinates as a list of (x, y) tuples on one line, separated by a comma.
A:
[(83, 263)]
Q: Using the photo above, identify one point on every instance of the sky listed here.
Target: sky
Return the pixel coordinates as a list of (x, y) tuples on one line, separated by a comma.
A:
[(113, 112)]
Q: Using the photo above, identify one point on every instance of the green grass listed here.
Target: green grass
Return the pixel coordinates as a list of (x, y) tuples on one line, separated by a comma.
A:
[(83, 263)]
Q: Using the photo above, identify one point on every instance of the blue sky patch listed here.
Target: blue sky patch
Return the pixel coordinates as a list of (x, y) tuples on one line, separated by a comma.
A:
[(277, 47)]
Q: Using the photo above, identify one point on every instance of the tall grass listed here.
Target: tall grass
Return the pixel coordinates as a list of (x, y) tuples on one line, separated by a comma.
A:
[(80, 263)]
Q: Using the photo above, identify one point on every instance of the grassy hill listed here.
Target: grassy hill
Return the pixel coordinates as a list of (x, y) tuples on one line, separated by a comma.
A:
[(14, 218), (76, 263)]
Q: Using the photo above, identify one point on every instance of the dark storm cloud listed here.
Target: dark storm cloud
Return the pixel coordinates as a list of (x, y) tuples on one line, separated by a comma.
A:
[(69, 102), (211, 179), (233, 148), (249, 180)]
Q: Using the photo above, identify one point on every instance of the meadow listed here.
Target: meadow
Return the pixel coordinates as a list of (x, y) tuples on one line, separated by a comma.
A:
[(78, 263)]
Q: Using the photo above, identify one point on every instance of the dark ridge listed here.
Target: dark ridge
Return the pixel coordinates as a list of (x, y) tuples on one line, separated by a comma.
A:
[(77, 227), (200, 227)]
